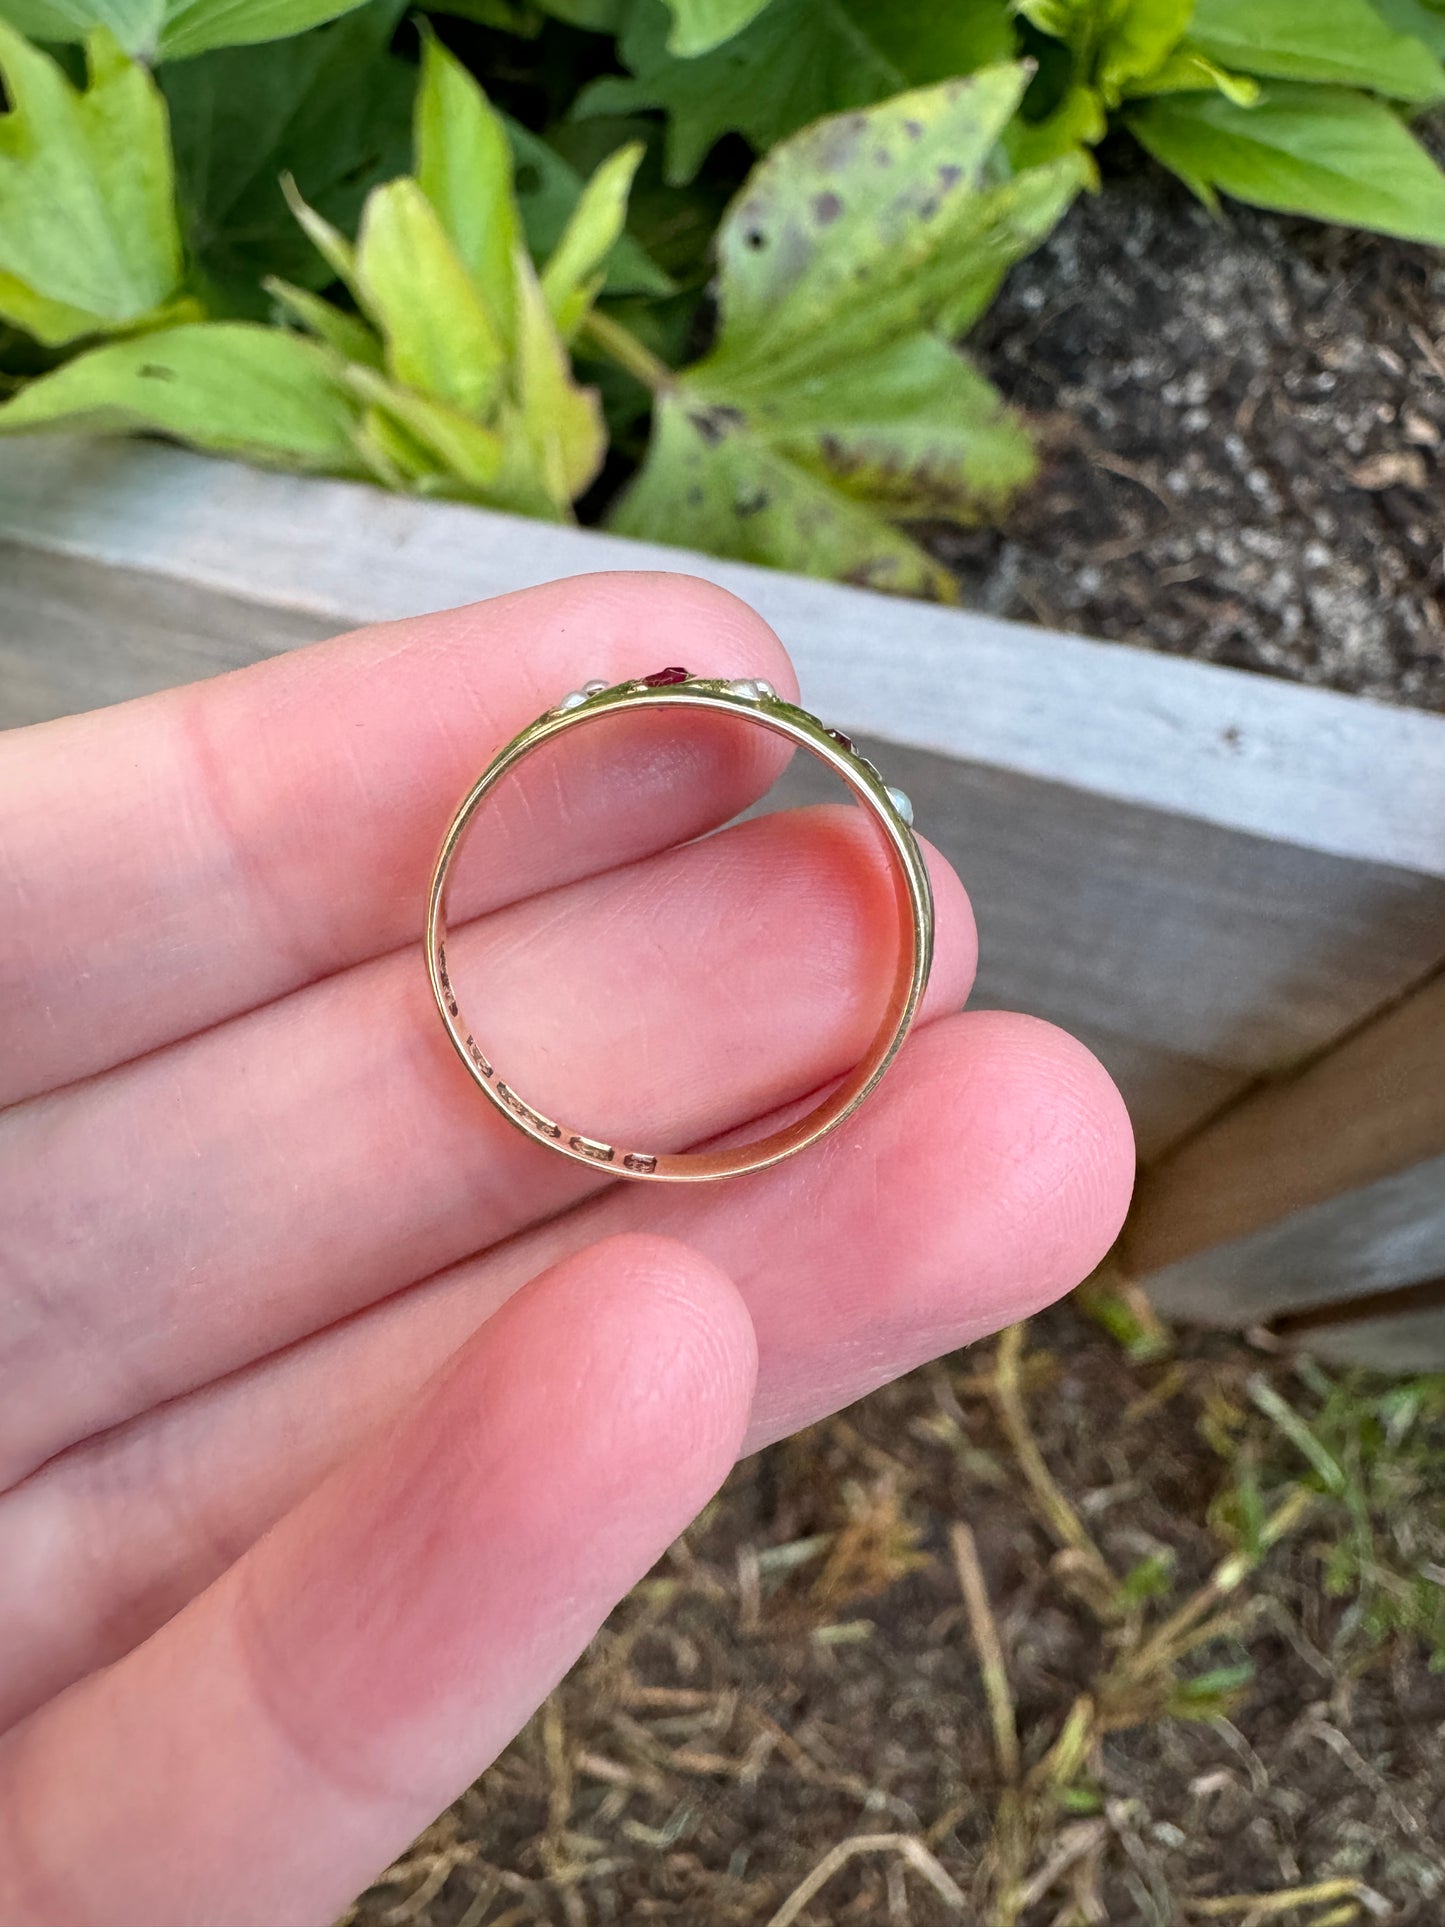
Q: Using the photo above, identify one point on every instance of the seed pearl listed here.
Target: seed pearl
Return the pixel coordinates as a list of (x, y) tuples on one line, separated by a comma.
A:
[(574, 699), (902, 803), (595, 687), (764, 689), (746, 688)]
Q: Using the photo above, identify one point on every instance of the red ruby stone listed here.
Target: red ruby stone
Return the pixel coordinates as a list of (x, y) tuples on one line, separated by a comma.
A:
[(664, 678), (838, 737)]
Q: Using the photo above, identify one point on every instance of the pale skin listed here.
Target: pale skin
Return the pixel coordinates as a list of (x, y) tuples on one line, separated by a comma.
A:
[(334, 1415)]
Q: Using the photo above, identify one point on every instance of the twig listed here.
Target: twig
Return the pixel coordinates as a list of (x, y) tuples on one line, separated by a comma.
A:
[(1267, 1906), (441, 1870), (1060, 1517), (623, 347), (989, 1648), (1072, 1845), (907, 1844), (1060, 1765)]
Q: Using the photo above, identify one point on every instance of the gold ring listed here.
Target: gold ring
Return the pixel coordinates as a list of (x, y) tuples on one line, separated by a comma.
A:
[(757, 702)]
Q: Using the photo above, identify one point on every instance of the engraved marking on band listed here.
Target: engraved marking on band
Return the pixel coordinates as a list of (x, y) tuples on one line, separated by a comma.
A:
[(445, 980), (514, 1103), (640, 1161), (594, 1148), (478, 1056)]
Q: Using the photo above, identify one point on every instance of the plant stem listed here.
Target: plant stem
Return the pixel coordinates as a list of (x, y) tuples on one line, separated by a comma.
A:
[(1060, 1517), (623, 347), (1262, 1906), (1179, 1634), (989, 1647)]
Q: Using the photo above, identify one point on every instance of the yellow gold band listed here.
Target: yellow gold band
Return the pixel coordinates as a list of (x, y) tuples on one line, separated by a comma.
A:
[(755, 702)]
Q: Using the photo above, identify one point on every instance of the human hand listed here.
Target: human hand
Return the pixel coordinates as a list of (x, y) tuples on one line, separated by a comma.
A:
[(334, 1415)]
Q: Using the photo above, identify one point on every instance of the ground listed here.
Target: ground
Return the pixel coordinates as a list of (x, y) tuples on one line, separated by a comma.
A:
[(1245, 433), (803, 1668), (1245, 426)]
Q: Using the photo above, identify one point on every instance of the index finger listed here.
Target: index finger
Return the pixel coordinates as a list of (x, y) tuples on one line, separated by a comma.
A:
[(175, 860)]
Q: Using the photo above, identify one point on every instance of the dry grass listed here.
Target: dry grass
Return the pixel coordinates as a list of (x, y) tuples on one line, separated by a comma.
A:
[(1043, 1636)]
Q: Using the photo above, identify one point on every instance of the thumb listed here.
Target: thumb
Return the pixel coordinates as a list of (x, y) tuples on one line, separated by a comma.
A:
[(284, 1737)]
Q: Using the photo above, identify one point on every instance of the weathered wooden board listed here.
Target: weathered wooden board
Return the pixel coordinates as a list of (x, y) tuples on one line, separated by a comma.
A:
[(1294, 765), (1365, 1240), (1208, 876), (1191, 958), (1391, 1331), (1325, 1185), (1412, 1341), (1069, 910), (76, 634), (1372, 1108)]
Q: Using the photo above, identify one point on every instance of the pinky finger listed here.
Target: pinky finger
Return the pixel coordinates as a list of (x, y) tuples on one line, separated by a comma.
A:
[(274, 1746)]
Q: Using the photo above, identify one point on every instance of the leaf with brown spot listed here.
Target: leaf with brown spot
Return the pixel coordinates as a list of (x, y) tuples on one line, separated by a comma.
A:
[(834, 406)]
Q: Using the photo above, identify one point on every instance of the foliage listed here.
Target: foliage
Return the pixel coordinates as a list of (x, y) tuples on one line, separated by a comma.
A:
[(832, 402), (762, 224), (1342, 1479), (88, 236), (1374, 1453), (1183, 75), (331, 108), (797, 60), (171, 29)]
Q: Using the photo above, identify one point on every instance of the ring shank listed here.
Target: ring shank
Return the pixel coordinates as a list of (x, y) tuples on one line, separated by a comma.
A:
[(912, 896)]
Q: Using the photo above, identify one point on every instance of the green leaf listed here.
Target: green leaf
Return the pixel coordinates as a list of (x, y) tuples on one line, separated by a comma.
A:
[(1320, 151), (346, 334), (518, 17), (441, 337), (461, 456), (332, 109), (559, 423), (172, 29), (1079, 120), (1063, 19), (464, 166), (229, 386), (1114, 42), (598, 16), (329, 242), (1341, 42), (1150, 1578), (1140, 37), (1210, 1694), (1282, 1414), (548, 189), (573, 275), (832, 405), (872, 223), (88, 236), (136, 24), (1425, 19), (798, 60), (710, 484), (475, 395), (1187, 70), (700, 25)]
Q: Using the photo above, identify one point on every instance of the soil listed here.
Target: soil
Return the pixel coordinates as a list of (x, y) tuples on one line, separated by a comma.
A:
[(762, 1699), (1244, 420)]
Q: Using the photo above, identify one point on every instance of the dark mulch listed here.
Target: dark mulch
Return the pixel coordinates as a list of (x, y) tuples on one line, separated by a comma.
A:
[(1245, 420)]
